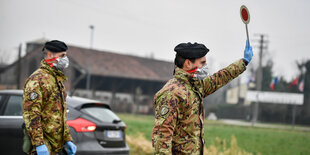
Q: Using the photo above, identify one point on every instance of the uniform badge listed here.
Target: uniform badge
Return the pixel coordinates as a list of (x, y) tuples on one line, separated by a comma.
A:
[(33, 95), (164, 110)]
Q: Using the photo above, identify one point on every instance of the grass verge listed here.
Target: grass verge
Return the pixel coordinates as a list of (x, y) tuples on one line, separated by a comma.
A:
[(222, 139)]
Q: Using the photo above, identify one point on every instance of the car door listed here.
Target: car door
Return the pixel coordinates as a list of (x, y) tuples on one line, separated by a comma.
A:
[(11, 121)]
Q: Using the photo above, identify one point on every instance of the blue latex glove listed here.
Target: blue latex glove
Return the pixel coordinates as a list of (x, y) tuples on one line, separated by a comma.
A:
[(70, 147), (42, 150), (248, 53)]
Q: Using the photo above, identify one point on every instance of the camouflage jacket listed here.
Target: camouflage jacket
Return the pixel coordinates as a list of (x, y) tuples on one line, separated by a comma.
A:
[(45, 109), (179, 112)]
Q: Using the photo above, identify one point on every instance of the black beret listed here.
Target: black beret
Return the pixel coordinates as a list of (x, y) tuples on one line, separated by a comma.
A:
[(55, 46), (191, 51)]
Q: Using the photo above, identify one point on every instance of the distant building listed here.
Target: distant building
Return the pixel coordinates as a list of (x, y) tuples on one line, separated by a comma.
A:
[(117, 79)]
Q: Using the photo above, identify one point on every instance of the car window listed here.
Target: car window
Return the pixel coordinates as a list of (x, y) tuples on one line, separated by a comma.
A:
[(14, 106), (102, 114), (1, 102)]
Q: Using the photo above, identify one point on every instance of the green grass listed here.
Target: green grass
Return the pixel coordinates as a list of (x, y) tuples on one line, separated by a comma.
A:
[(138, 124), (254, 140), (265, 141)]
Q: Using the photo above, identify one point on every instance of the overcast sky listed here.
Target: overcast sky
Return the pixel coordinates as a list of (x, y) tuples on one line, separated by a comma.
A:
[(144, 27)]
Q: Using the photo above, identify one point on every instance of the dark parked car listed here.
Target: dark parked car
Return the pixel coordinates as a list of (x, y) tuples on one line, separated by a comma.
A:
[(94, 127)]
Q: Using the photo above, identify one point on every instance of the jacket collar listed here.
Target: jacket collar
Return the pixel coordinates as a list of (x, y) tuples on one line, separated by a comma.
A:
[(60, 76), (184, 76)]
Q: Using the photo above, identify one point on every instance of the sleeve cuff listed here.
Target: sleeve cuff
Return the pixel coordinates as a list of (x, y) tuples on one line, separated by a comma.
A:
[(38, 143), (245, 62), (68, 138)]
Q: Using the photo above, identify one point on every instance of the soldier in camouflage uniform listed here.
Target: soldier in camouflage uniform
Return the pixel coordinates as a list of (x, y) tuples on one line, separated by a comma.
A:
[(179, 111), (44, 103)]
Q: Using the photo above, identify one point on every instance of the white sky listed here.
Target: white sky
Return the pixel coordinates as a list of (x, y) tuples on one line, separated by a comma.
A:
[(142, 27)]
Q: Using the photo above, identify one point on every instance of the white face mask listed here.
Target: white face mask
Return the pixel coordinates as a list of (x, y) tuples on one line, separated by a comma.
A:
[(62, 63), (202, 72)]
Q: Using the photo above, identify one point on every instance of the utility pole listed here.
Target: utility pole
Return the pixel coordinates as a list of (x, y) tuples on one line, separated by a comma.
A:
[(88, 80), (306, 106), (19, 67), (239, 91), (259, 78)]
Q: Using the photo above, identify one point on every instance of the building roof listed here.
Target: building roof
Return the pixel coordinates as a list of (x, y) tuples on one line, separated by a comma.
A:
[(113, 64), (120, 65)]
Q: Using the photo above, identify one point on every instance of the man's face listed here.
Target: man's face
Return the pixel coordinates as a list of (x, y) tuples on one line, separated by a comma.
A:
[(199, 62), (60, 54)]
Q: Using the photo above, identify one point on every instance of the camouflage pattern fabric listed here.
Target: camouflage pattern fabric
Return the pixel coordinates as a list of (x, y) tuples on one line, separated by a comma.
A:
[(45, 108), (179, 112)]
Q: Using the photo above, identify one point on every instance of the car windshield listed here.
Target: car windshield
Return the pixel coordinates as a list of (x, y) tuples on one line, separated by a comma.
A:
[(102, 114)]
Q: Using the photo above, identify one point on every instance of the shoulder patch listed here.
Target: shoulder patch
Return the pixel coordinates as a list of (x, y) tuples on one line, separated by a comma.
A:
[(164, 110), (33, 95)]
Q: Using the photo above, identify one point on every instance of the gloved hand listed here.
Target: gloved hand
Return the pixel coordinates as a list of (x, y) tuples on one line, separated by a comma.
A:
[(202, 72), (42, 150), (70, 147), (248, 53)]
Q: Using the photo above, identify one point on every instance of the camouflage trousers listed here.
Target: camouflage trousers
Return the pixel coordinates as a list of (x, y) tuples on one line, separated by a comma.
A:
[(50, 150)]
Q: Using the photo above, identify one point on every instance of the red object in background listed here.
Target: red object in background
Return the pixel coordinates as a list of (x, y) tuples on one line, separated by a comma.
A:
[(274, 82), (295, 82), (301, 85)]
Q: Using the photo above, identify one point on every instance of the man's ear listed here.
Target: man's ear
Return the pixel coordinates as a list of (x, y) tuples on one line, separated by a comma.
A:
[(187, 64), (50, 55)]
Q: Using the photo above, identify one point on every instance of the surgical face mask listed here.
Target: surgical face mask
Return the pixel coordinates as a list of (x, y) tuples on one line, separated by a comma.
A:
[(202, 72), (62, 63)]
